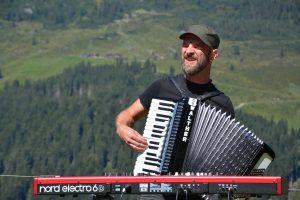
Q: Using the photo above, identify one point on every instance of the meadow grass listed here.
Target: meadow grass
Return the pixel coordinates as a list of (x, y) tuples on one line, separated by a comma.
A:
[(261, 76)]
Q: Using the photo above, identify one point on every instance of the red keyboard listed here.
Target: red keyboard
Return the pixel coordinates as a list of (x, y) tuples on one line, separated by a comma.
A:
[(241, 185)]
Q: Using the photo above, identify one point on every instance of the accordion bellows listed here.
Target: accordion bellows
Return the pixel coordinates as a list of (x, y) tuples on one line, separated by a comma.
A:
[(189, 136)]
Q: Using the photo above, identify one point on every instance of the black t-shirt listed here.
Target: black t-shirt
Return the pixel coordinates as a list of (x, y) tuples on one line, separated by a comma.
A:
[(164, 88)]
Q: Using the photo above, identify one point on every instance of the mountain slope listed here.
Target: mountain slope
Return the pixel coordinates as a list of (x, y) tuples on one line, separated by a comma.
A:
[(258, 64)]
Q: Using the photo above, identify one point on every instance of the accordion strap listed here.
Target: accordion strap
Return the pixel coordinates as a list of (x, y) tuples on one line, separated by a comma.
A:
[(202, 97)]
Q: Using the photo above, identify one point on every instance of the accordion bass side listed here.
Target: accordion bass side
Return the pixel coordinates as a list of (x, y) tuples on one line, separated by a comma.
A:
[(188, 136)]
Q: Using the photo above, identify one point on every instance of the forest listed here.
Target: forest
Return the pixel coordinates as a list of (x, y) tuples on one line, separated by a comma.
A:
[(249, 17), (65, 126)]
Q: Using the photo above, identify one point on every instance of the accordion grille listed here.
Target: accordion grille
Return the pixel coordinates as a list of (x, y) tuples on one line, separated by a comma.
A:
[(220, 145)]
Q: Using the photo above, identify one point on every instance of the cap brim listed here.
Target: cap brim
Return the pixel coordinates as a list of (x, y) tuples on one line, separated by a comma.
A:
[(182, 36)]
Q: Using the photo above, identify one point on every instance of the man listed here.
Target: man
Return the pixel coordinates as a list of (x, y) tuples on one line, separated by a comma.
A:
[(199, 49)]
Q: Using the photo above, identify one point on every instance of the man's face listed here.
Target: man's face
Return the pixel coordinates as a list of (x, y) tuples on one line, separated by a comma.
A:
[(195, 55)]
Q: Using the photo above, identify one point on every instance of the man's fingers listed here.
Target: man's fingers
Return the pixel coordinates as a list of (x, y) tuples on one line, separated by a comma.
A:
[(137, 142), (133, 139), (137, 148)]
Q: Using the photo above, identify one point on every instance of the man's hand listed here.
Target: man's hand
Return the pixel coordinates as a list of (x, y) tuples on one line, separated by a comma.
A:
[(132, 138), (124, 123)]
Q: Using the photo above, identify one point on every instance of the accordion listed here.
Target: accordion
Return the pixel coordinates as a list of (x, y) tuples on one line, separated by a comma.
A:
[(188, 136)]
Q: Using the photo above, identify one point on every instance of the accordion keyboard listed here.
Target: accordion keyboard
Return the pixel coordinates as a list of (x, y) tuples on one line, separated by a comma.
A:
[(156, 131)]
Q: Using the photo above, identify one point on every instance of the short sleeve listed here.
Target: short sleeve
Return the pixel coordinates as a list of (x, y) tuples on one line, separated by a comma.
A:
[(149, 94)]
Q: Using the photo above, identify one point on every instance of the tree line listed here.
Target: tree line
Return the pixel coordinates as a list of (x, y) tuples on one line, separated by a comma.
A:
[(65, 126), (237, 20), (59, 14)]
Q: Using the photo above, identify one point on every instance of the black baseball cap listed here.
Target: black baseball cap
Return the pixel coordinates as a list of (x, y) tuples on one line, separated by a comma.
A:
[(207, 35)]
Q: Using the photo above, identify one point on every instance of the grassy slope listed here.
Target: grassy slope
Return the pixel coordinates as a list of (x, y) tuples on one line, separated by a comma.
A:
[(261, 81)]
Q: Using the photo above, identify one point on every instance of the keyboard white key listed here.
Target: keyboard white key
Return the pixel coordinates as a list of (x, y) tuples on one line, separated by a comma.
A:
[(155, 131)]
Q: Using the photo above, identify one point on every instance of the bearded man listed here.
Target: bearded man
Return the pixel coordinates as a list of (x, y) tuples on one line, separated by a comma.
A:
[(199, 50)]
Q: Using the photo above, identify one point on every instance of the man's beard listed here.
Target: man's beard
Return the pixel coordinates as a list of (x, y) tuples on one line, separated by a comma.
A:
[(195, 69)]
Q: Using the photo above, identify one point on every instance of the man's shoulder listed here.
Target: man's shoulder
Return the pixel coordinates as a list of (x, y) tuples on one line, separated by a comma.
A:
[(165, 81), (224, 102), (168, 77), (221, 97), (176, 77), (160, 88), (163, 78)]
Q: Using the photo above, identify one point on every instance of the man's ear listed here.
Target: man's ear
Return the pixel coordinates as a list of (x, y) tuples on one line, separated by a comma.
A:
[(214, 54)]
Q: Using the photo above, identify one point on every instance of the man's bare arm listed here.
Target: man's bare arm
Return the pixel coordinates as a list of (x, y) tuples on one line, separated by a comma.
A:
[(124, 126)]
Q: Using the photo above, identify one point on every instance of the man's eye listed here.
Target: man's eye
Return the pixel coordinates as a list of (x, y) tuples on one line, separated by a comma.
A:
[(198, 46), (185, 44)]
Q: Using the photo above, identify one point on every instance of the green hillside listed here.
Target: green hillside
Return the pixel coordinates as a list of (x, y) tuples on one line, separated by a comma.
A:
[(258, 64)]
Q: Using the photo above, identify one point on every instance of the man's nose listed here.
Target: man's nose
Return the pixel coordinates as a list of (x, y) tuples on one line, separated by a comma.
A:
[(190, 49)]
